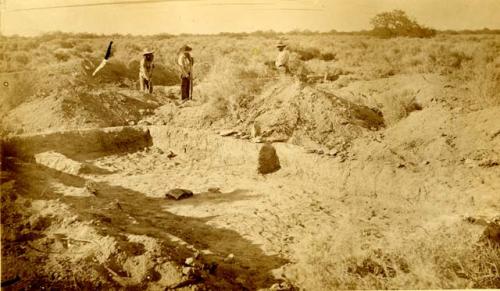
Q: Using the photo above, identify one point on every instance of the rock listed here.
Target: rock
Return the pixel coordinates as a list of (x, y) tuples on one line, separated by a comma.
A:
[(178, 194), (59, 162), (320, 151), (91, 187), (268, 160), (279, 138), (131, 122), (141, 111), (228, 132), (171, 155), (488, 163), (144, 122), (214, 190), (229, 258), (255, 130), (333, 152), (187, 271), (258, 139), (283, 286), (210, 267), (157, 150), (189, 261), (477, 220)]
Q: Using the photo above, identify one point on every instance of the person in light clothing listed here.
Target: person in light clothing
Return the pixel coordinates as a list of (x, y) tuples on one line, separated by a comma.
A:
[(146, 71), (282, 58), (185, 62)]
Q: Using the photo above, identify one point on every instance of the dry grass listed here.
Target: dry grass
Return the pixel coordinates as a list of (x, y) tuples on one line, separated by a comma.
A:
[(398, 104), (485, 83), (352, 257), (231, 85)]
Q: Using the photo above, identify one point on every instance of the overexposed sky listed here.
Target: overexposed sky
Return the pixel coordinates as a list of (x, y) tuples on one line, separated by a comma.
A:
[(31, 17)]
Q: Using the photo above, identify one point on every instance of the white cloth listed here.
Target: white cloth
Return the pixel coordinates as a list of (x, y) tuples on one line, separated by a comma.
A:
[(146, 69), (185, 63), (282, 59)]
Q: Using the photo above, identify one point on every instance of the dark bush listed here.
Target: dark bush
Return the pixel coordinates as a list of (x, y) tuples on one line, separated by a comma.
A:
[(328, 57), (397, 23), (61, 56), (306, 54)]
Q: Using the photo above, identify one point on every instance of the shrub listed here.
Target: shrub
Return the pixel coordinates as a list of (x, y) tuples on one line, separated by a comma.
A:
[(396, 105), (485, 84), (448, 59), (328, 56), (397, 23), (306, 54), (61, 55), (22, 58), (84, 48), (230, 86), (19, 89), (67, 44)]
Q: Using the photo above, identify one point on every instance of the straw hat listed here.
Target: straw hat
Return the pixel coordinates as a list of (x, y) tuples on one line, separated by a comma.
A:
[(281, 44), (147, 52), (185, 48)]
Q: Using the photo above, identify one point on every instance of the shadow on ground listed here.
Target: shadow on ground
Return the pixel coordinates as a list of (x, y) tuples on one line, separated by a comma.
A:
[(118, 211)]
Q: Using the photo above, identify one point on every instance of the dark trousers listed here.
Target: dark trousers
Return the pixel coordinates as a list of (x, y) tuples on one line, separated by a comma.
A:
[(146, 85), (186, 88)]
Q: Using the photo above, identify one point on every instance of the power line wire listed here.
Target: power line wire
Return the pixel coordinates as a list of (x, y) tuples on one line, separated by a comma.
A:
[(109, 3)]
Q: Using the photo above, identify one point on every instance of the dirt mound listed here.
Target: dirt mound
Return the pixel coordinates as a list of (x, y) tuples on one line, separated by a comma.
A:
[(78, 143), (439, 135), (81, 107), (285, 111), (307, 115)]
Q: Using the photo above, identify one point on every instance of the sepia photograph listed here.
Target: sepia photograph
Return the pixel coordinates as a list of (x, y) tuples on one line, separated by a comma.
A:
[(277, 145)]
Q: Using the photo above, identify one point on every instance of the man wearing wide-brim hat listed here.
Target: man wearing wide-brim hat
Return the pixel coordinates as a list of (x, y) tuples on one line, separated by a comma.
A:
[(146, 71), (282, 58), (185, 62)]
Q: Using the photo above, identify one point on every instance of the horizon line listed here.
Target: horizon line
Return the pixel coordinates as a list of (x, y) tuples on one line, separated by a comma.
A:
[(249, 33)]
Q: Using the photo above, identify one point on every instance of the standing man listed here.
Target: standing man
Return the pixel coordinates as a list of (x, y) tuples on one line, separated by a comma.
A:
[(282, 58), (185, 62), (146, 71)]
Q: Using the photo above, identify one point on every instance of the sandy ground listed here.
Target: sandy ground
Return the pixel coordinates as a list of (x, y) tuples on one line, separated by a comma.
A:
[(114, 221)]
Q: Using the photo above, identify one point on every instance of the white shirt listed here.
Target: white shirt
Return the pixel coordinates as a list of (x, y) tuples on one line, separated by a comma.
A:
[(146, 69), (282, 58), (185, 63)]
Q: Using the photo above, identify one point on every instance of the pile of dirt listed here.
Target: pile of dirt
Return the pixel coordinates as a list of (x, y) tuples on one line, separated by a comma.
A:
[(309, 116), (81, 107), (285, 111), (438, 135)]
